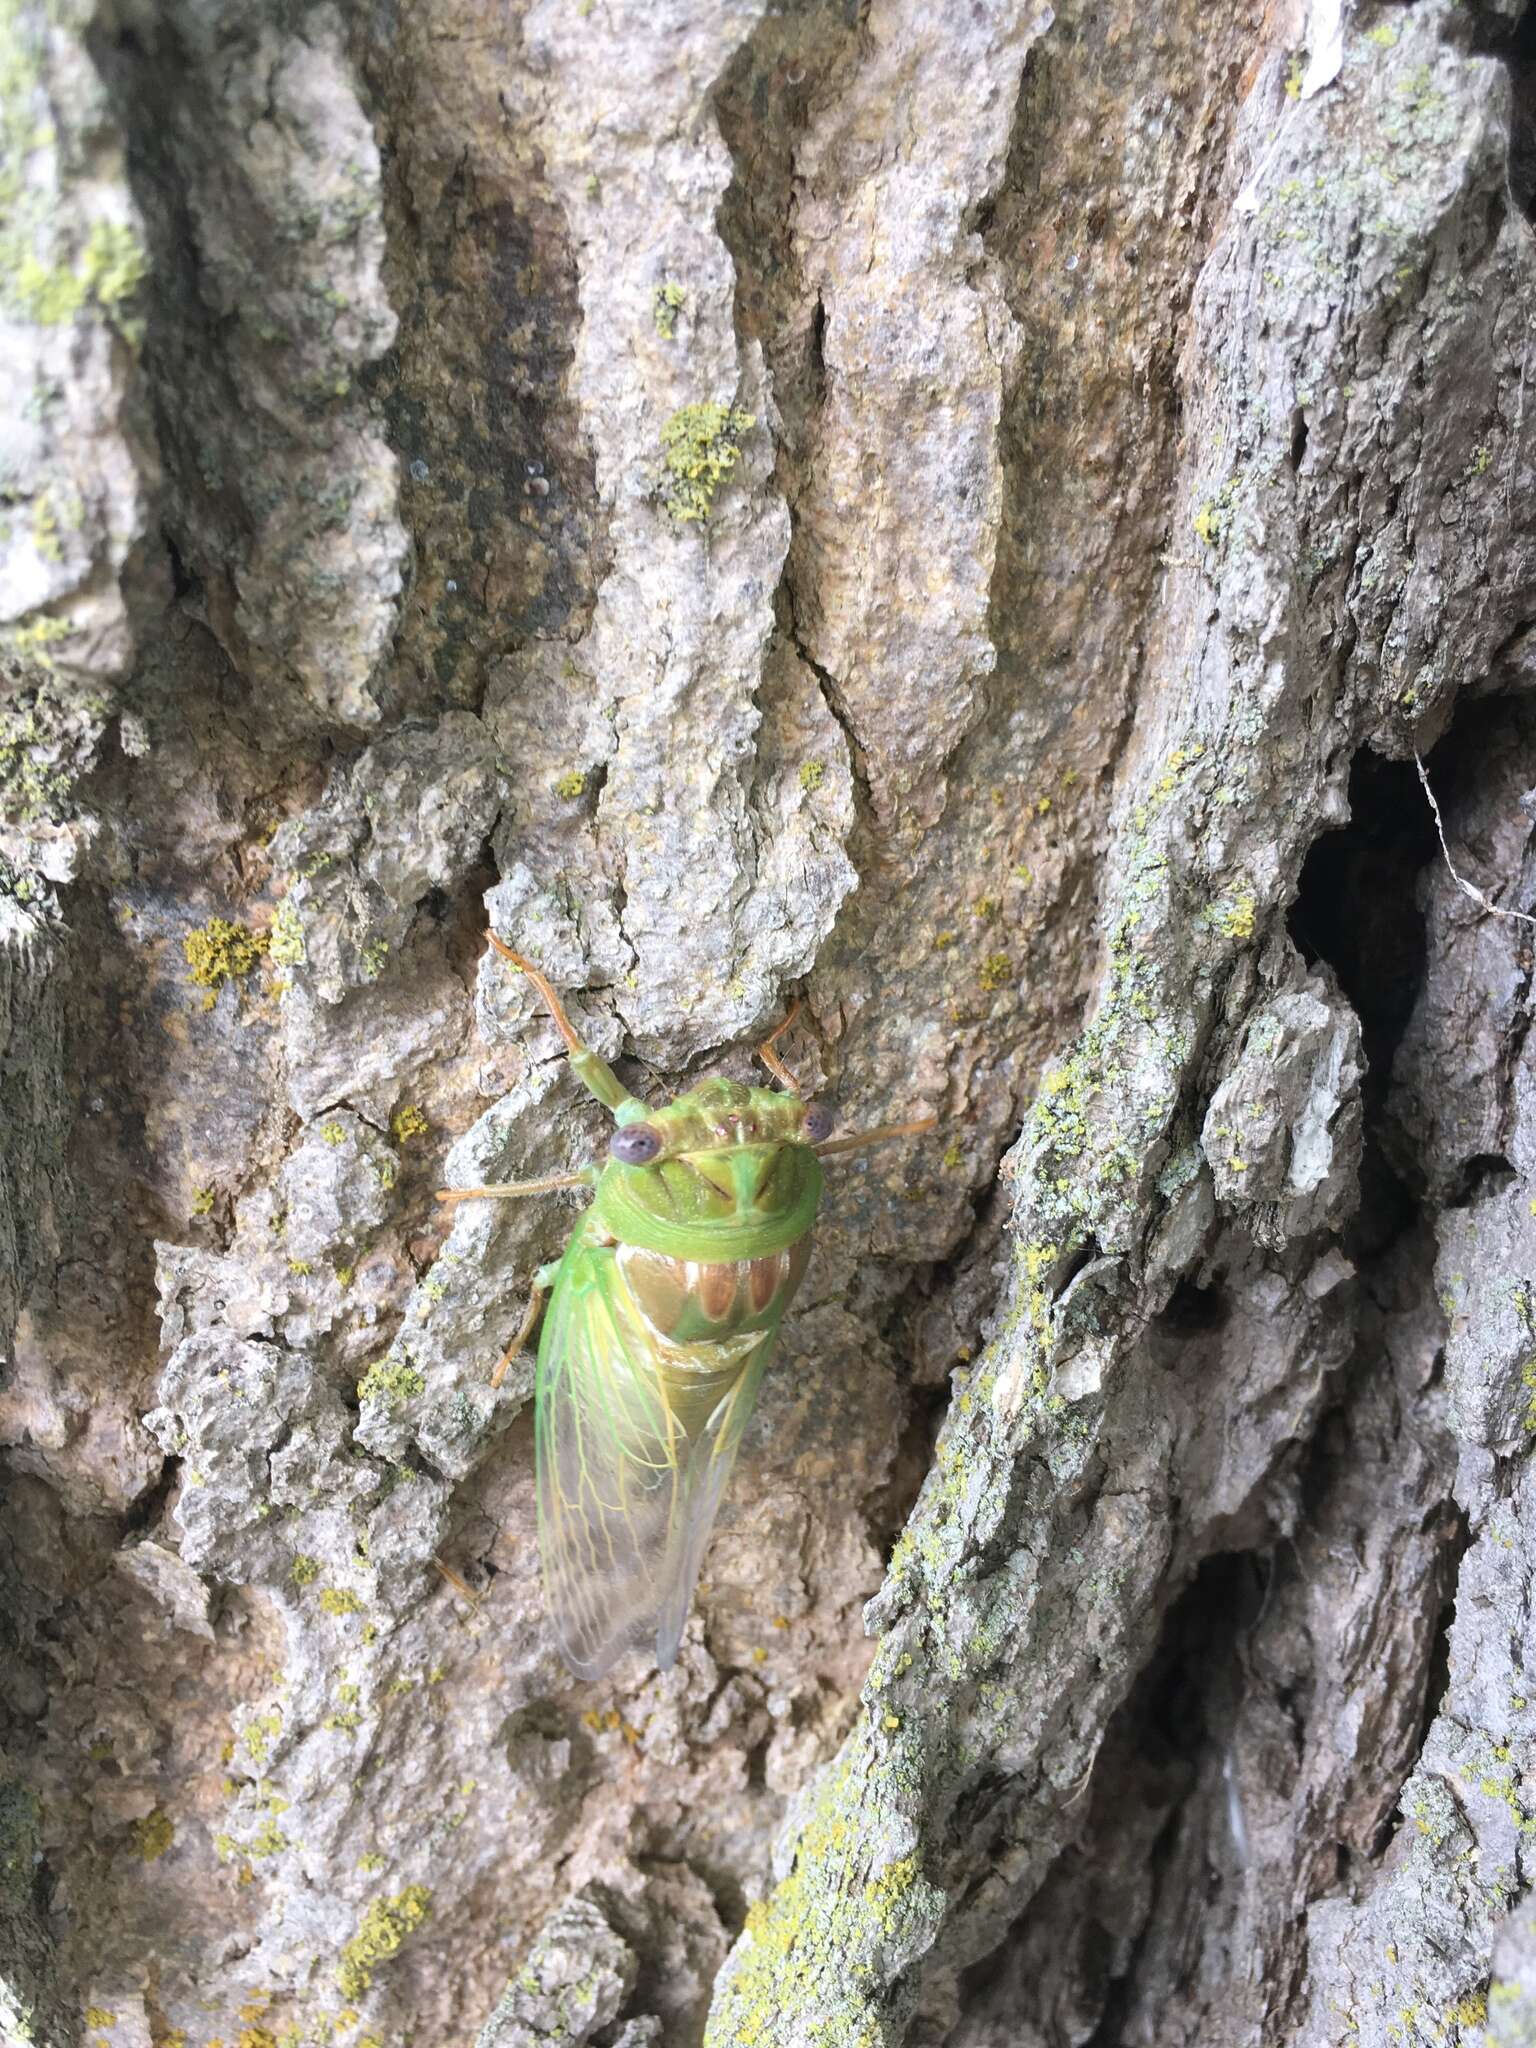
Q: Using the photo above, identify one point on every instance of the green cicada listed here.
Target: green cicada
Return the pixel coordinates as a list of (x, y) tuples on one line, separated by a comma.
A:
[(663, 1313)]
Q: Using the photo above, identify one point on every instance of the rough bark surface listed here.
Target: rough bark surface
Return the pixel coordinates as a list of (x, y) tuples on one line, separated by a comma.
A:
[(1112, 465)]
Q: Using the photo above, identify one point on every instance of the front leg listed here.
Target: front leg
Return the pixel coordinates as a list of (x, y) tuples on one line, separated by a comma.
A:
[(586, 1177), (543, 1281)]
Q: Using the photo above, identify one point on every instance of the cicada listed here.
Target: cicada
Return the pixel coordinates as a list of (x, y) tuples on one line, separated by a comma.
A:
[(661, 1318)]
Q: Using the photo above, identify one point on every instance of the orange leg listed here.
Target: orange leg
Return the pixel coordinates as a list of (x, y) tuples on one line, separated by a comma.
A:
[(770, 1058), (460, 1586), (546, 1186), (592, 1072), (877, 1136), (542, 1281), (552, 1002)]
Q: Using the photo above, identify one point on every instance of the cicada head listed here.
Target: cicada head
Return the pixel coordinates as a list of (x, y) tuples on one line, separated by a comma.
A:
[(730, 1166), (719, 1115)]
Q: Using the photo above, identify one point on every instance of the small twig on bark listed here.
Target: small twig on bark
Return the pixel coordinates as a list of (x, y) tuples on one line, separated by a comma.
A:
[(1479, 897)]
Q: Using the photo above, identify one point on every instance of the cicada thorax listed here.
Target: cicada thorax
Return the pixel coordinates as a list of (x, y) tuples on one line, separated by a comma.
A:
[(691, 1301), (706, 1322)]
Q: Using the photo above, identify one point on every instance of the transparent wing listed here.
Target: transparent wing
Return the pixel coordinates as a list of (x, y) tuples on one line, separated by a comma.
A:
[(635, 1442), (704, 1480)]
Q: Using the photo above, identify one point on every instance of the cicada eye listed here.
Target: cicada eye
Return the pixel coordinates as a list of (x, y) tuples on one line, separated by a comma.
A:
[(819, 1119), (635, 1145)]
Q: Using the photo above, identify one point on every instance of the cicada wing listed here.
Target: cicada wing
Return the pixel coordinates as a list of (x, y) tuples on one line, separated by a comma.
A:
[(609, 1471), (704, 1480), (636, 1439)]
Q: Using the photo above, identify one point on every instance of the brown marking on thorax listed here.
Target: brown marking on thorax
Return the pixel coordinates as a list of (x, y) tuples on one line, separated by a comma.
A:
[(692, 1300)]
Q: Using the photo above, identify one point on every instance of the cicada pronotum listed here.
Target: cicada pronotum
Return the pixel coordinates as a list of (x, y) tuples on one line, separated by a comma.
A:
[(663, 1313)]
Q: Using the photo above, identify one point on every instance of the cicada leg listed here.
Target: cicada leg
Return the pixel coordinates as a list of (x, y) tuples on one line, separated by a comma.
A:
[(547, 1186), (877, 1136), (770, 1058), (460, 1585), (543, 1280), (594, 1073)]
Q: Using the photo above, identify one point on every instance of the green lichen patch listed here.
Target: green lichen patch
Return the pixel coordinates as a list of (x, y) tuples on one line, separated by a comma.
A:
[(259, 1734), (30, 645), (48, 736), (382, 1933), (700, 447), (667, 301), (106, 274), (268, 1840), (285, 940), (393, 1381)]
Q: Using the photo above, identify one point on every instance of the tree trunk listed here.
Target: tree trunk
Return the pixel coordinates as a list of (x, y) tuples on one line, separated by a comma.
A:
[(965, 512)]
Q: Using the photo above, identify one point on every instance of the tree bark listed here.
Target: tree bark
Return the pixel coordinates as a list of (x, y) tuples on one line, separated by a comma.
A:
[(1100, 472)]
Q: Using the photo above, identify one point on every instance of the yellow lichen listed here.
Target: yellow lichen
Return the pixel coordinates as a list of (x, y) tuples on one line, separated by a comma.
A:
[(381, 1935), (1234, 918), (220, 951), (785, 1935), (408, 1122), (259, 1731), (154, 1834), (700, 448)]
